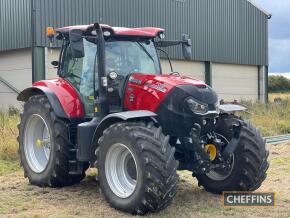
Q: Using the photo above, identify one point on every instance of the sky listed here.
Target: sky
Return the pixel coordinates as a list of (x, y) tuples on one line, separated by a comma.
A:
[(279, 34)]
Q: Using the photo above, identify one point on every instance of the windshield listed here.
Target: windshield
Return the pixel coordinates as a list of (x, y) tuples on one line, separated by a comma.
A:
[(125, 57)]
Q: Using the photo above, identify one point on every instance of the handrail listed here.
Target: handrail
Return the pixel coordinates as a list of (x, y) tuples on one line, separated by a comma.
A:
[(9, 85)]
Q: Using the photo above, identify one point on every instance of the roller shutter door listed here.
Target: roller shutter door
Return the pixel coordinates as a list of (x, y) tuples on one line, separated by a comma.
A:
[(235, 82)]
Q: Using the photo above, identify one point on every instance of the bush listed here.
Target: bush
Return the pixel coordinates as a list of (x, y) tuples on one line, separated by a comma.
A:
[(272, 119), (279, 84)]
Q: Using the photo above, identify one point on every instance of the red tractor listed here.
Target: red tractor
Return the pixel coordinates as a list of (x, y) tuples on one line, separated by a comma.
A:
[(112, 108)]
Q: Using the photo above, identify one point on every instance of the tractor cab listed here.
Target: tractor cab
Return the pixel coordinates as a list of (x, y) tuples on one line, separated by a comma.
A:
[(127, 51)]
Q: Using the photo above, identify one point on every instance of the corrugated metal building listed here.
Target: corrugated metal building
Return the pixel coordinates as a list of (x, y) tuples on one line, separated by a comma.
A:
[(230, 39)]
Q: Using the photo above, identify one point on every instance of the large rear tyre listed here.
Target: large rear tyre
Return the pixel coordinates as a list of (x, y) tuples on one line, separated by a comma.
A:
[(44, 147), (249, 163), (136, 167)]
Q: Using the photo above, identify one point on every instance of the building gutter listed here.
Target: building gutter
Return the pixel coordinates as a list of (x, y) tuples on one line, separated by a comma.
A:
[(255, 4)]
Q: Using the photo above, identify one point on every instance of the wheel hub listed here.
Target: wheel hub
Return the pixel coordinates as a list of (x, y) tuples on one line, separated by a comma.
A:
[(220, 173), (37, 145), (42, 142), (211, 150)]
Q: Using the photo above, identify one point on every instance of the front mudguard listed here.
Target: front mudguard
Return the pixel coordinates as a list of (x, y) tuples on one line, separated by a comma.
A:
[(90, 132), (231, 108)]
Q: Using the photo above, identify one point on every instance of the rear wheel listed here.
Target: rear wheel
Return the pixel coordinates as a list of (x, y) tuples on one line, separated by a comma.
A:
[(44, 146), (248, 164), (136, 167)]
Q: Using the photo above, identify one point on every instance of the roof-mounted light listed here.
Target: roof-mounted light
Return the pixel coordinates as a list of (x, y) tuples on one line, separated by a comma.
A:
[(94, 32), (50, 32), (107, 33), (161, 35)]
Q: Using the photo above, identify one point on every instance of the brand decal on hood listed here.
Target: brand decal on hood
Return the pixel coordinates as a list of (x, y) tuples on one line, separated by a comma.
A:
[(160, 87), (133, 80)]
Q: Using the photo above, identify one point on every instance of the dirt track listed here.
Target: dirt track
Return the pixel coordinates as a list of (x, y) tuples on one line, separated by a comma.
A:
[(19, 199)]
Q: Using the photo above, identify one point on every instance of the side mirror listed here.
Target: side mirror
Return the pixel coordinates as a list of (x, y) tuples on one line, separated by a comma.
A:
[(76, 43), (186, 47), (55, 64)]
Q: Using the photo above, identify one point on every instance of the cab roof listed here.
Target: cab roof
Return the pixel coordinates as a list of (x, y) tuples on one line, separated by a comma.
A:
[(146, 32)]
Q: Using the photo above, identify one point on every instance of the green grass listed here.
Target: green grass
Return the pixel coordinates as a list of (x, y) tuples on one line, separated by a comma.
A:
[(8, 134), (281, 160), (8, 166), (273, 119)]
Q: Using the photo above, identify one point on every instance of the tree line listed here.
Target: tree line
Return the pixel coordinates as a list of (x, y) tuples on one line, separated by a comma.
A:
[(279, 84)]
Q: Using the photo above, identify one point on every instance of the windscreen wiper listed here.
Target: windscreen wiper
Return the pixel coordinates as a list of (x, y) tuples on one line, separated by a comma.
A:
[(145, 50)]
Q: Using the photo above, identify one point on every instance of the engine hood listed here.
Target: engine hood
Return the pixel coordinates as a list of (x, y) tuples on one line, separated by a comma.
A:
[(168, 81), (166, 96), (147, 91)]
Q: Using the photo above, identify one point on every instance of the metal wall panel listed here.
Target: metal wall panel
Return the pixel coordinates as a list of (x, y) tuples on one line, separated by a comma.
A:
[(14, 24), (228, 31)]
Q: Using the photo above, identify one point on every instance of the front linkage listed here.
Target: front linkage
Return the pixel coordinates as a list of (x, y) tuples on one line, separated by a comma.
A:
[(223, 154)]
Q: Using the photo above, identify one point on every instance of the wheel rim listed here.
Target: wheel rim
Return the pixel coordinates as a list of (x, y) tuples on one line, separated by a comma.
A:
[(121, 170), (221, 174), (37, 144)]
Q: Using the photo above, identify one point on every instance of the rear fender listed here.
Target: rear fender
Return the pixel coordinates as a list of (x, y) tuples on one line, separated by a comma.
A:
[(62, 96), (40, 90)]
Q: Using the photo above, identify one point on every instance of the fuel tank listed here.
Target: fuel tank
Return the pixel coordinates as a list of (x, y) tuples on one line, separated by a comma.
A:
[(167, 96)]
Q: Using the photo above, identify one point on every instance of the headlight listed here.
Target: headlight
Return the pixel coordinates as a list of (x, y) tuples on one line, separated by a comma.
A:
[(196, 107)]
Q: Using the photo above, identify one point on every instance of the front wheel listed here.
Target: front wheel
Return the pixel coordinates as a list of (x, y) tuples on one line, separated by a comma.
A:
[(136, 167), (248, 164)]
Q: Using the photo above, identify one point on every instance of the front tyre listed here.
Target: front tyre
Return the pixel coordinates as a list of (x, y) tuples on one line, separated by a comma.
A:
[(136, 167), (249, 163)]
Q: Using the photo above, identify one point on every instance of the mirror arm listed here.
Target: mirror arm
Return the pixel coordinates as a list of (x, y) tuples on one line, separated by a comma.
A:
[(164, 44)]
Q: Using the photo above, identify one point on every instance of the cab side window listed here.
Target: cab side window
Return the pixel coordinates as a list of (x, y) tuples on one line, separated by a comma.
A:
[(79, 72), (72, 68)]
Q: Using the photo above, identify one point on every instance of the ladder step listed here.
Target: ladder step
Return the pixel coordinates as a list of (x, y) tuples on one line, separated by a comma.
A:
[(72, 162)]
